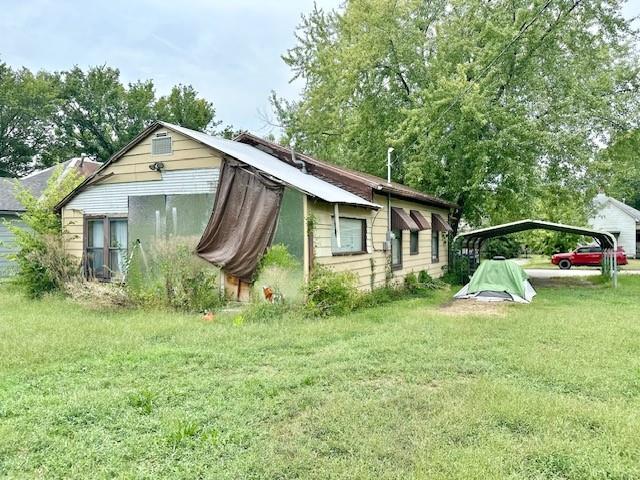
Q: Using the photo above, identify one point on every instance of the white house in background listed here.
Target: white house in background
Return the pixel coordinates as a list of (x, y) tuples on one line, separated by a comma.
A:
[(623, 221)]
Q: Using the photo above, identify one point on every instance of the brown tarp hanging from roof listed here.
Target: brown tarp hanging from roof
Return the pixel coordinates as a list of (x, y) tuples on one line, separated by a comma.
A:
[(400, 220), (440, 224), (420, 220), (243, 221)]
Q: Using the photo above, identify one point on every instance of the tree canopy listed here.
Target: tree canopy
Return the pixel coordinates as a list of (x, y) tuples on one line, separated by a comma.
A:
[(500, 107), (617, 168), (46, 118)]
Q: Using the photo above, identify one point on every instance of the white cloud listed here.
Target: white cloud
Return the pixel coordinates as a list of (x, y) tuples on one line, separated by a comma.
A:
[(228, 50)]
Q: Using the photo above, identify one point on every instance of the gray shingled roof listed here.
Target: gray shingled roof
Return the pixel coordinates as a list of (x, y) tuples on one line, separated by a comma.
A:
[(35, 183)]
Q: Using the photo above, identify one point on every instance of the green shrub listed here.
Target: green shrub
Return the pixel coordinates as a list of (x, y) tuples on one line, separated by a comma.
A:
[(380, 296), (330, 293), (411, 283), (179, 279), (278, 256), (424, 277), (458, 270), (43, 265)]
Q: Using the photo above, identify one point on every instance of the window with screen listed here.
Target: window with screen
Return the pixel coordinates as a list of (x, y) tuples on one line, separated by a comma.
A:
[(161, 145), (414, 243), (396, 249), (435, 246), (352, 236)]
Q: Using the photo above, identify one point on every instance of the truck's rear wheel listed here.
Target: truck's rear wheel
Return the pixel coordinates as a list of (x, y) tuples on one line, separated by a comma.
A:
[(564, 264)]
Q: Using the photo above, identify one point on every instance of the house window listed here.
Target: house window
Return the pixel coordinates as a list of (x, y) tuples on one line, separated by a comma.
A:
[(396, 250), (435, 246), (106, 247), (414, 245), (353, 234), (161, 145)]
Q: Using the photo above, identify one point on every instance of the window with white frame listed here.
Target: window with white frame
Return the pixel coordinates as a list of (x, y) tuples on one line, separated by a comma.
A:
[(353, 234)]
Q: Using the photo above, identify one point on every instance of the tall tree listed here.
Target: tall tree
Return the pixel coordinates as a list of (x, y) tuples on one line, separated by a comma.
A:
[(183, 107), (99, 115), (27, 102), (493, 105), (617, 169)]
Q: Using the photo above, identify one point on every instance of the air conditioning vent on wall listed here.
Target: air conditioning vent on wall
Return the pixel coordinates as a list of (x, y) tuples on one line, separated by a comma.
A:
[(161, 144)]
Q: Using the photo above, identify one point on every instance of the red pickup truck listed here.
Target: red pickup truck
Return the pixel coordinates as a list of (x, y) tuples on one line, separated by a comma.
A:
[(585, 256)]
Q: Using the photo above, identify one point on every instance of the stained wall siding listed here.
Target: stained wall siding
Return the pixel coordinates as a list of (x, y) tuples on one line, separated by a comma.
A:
[(612, 219), (371, 266), (190, 168), (7, 245)]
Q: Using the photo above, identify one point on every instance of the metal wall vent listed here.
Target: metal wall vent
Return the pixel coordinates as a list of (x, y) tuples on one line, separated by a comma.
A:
[(161, 145)]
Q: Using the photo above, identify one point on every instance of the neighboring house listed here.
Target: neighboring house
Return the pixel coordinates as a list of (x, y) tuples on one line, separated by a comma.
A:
[(164, 183), (618, 218), (11, 209)]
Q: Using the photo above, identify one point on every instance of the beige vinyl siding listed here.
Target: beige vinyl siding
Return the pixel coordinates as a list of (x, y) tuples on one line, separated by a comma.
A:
[(371, 267), (72, 231), (132, 167)]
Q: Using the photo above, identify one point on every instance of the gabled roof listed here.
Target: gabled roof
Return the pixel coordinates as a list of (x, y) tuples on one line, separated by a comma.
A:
[(360, 183), (36, 182), (632, 212), (269, 164)]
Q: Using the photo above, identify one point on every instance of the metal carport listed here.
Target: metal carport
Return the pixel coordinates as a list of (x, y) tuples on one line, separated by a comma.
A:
[(470, 243)]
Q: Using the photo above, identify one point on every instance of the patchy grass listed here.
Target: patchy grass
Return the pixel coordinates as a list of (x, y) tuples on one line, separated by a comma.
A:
[(547, 390)]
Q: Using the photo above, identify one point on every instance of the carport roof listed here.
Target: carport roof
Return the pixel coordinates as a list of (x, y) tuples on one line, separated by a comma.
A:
[(607, 240)]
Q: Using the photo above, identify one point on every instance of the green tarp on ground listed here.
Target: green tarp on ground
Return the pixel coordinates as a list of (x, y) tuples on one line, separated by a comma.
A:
[(498, 276)]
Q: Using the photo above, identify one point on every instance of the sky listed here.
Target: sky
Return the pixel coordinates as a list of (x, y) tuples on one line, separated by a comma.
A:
[(229, 50)]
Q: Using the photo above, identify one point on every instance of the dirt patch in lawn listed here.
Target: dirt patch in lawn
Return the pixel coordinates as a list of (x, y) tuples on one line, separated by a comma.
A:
[(466, 307)]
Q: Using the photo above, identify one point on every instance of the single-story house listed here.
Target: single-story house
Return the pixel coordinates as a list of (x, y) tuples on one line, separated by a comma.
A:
[(620, 219), (165, 182), (11, 208)]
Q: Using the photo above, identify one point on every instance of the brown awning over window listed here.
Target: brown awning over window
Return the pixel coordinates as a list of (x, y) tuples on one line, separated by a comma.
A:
[(422, 222), (400, 220), (440, 224)]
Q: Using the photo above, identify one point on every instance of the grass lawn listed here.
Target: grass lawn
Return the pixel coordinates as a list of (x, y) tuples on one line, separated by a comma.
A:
[(408, 390)]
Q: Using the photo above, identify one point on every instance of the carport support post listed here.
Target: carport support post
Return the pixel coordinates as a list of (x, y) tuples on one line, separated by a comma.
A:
[(614, 262)]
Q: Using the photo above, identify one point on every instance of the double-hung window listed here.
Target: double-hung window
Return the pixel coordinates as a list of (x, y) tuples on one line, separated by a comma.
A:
[(105, 247), (353, 235)]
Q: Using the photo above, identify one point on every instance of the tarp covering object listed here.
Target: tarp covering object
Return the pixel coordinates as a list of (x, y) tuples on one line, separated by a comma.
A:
[(400, 220), (243, 221), (499, 276), (440, 224), (422, 222)]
